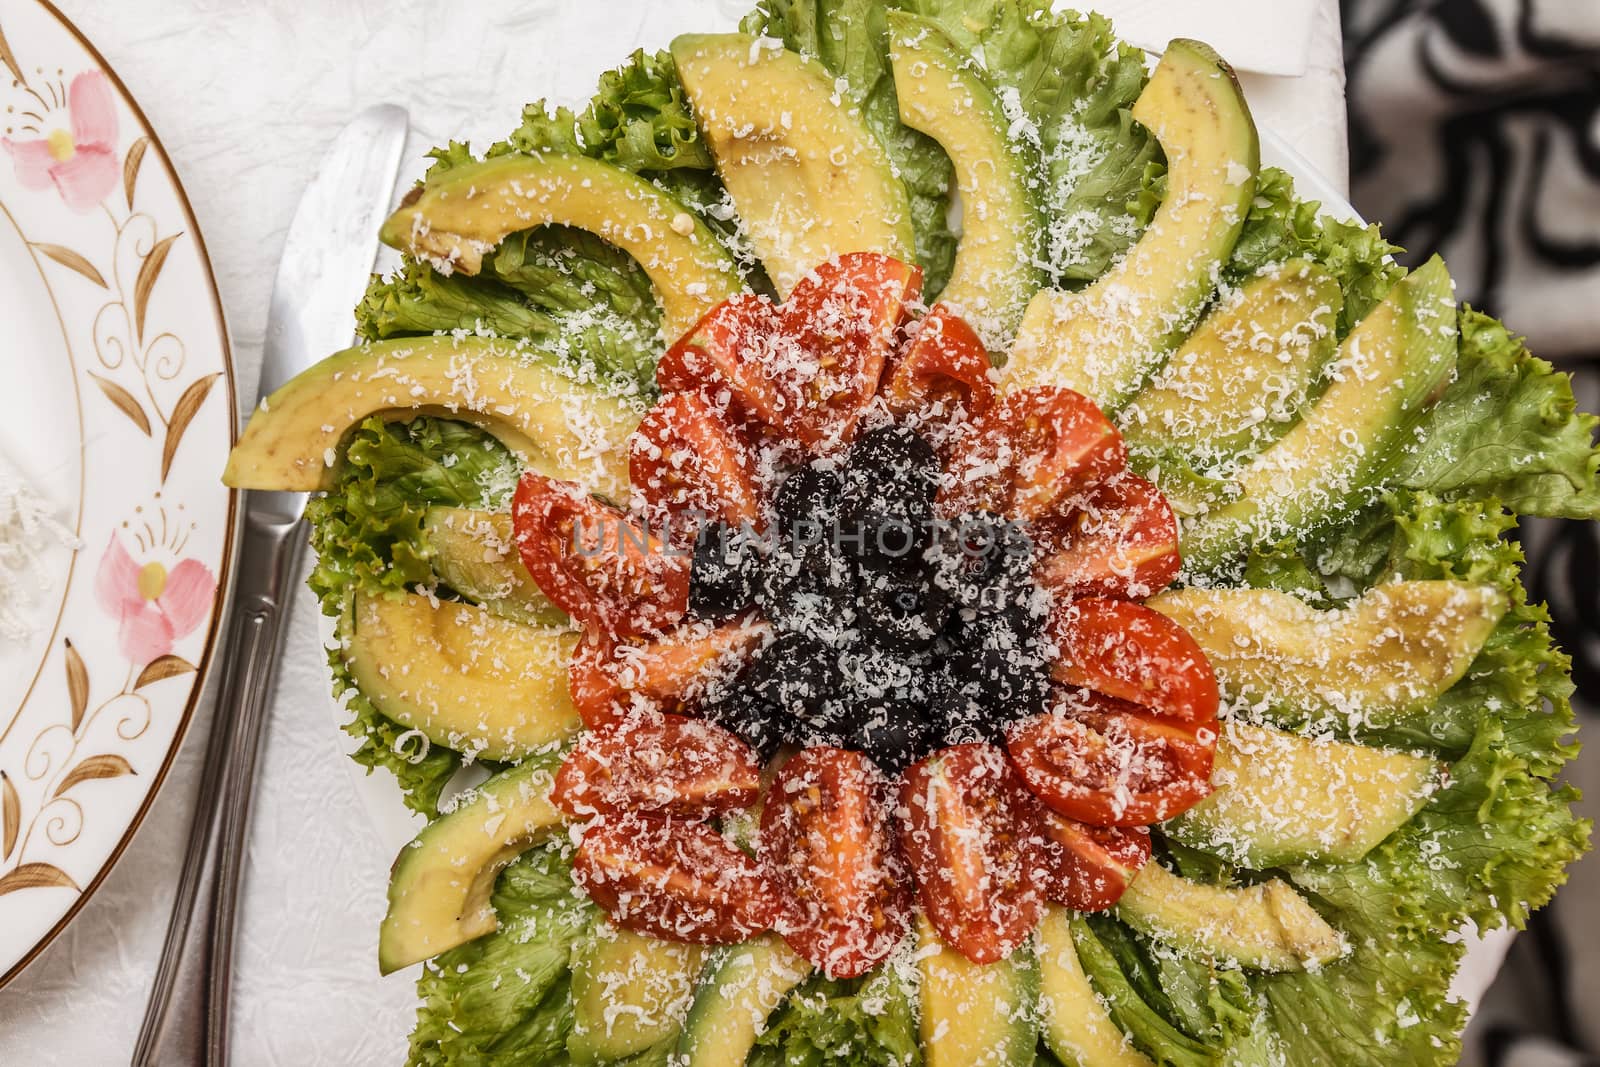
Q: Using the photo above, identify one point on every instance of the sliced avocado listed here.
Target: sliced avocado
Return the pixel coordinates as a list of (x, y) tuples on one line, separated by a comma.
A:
[(1385, 656), (459, 216), (467, 679), (739, 989), (1077, 1027), (1105, 340), (1283, 799), (943, 93), (557, 426), (440, 885), (1239, 380), (1268, 926), (474, 554), (976, 1015), (808, 179), (629, 992), (1385, 371)]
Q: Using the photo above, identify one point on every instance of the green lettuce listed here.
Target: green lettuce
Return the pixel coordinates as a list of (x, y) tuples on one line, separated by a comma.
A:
[(864, 1022)]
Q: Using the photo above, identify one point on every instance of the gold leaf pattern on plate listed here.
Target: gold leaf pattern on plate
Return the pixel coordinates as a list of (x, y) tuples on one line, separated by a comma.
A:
[(106, 765), (35, 876), (182, 413), (10, 816), (77, 683), (72, 261), (10, 60), (124, 401), (130, 168), (149, 272), (163, 667)]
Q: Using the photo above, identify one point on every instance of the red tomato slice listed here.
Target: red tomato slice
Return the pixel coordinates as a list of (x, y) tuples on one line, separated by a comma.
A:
[(825, 837), (1133, 653), (1112, 764), (691, 466), (610, 680), (1091, 866), (723, 358), (662, 763), (1121, 542), (1030, 452), (675, 879), (593, 563), (841, 322), (943, 367), (970, 831)]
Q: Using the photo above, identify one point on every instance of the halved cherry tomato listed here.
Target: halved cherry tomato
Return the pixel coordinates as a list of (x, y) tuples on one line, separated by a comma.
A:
[(1090, 866), (610, 679), (675, 879), (661, 763), (1112, 764), (1121, 542), (825, 836), (971, 834), (842, 318), (1030, 452), (1134, 653), (722, 358), (944, 363), (593, 563), (689, 463)]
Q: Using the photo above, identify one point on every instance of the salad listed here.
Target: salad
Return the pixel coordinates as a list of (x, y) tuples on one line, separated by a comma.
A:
[(934, 555)]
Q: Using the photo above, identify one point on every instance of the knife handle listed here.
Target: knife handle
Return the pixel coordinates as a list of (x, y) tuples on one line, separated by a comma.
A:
[(202, 954)]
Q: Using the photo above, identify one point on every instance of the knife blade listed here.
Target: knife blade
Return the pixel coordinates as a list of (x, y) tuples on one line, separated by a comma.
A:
[(327, 257)]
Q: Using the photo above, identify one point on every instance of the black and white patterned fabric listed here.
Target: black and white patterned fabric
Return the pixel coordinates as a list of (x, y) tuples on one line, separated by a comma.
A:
[(1475, 133)]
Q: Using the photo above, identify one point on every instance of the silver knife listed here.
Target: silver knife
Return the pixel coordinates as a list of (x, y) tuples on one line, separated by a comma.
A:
[(326, 261)]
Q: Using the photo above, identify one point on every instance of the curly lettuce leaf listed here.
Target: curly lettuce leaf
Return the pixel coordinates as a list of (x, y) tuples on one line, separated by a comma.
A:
[(864, 1022)]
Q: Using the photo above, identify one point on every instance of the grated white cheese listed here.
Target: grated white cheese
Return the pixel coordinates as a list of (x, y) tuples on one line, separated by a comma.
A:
[(27, 528)]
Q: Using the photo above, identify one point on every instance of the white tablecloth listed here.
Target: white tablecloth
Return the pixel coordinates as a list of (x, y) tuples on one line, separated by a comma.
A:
[(243, 96)]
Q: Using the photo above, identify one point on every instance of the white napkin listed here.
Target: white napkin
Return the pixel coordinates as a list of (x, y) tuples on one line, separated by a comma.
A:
[(1265, 36)]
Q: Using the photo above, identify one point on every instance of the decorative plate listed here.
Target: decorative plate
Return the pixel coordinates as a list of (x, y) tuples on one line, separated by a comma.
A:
[(119, 413)]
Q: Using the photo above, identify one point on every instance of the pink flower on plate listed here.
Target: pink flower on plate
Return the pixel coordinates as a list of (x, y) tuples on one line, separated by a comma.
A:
[(153, 606), (81, 159)]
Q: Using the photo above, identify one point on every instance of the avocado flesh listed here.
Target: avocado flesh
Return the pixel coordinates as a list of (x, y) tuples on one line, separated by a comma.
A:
[(807, 177), (1105, 340), (465, 678), (942, 93), (473, 552), (1384, 372), (1267, 926), (1240, 379), (440, 885), (1379, 659), (474, 206), (975, 1015), (1282, 798), (557, 426), (740, 988), (630, 991), (1075, 1023)]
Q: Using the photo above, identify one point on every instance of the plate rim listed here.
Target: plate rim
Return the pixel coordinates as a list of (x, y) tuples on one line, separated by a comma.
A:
[(224, 595)]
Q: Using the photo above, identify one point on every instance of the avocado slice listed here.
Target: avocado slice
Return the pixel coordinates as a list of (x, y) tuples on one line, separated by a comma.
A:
[(473, 553), (1239, 380), (440, 885), (740, 988), (1283, 799), (1076, 1025), (943, 93), (1268, 926), (454, 219), (808, 179), (973, 1014), (1105, 340), (630, 992), (556, 425), (467, 679), (1384, 372), (1385, 656)]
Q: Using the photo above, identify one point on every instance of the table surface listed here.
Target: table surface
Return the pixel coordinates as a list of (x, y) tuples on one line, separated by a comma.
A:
[(244, 96)]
